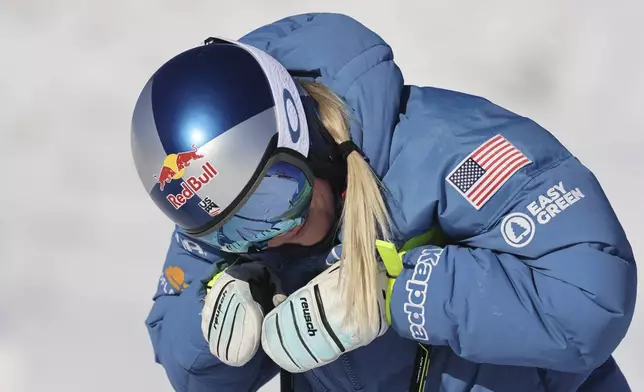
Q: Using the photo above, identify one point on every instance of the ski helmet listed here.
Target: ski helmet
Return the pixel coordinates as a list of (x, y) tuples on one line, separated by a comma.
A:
[(220, 141)]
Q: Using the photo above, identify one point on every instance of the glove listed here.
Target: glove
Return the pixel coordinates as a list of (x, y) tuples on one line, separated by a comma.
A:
[(306, 331), (234, 307)]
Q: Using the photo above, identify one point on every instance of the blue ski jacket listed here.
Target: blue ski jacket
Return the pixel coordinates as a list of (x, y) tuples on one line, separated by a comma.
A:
[(531, 290)]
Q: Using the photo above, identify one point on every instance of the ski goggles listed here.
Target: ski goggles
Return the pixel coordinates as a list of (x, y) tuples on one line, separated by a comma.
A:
[(276, 203)]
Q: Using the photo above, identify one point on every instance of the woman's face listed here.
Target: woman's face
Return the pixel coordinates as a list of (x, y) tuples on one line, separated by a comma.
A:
[(318, 222)]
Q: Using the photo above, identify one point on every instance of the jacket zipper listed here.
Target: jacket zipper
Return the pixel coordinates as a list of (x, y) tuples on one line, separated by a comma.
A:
[(348, 369), (318, 381)]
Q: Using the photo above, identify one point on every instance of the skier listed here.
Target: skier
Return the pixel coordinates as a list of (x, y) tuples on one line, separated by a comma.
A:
[(364, 234)]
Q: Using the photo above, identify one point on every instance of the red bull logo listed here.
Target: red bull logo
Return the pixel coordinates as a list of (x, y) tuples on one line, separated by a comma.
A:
[(173, 168), (174, 165)]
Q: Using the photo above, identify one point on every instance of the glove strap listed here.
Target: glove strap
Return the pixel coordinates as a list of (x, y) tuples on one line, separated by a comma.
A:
[(393, 264), (212, 281)]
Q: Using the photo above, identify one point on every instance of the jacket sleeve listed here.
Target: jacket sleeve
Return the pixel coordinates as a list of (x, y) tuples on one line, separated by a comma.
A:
[(175, 331), (540, 274)]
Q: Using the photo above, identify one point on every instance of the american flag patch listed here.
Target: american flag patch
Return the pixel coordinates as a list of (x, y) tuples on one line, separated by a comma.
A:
[(482, 173)]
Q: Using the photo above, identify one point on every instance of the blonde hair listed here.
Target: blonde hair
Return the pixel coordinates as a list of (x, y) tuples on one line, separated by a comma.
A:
[(364, 218)]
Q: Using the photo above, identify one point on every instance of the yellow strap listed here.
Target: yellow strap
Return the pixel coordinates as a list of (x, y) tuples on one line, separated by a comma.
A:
[(432, 237), (393, 264), (217, 275), (213, 280), (390, 290), (392, 258)]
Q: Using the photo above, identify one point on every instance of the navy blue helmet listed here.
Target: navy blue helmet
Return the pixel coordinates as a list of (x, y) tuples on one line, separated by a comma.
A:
[(221, 143)]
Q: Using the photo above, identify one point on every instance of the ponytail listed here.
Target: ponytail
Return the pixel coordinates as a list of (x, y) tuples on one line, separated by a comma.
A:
[(364, 218)]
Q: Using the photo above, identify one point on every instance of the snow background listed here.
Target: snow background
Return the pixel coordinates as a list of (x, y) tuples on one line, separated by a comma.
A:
[(82, 247)]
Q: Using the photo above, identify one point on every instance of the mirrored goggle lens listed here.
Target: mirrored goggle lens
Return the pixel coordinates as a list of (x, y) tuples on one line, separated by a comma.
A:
[(278, 205)]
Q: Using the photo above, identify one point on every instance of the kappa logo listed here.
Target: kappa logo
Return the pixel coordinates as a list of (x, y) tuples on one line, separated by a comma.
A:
[(417, 291), (517, 229), (292, 118)]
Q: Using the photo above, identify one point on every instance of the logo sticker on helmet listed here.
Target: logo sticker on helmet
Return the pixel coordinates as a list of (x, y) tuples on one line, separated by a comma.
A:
[(209, 206), (174, 165), (173, 168), (291, 116)]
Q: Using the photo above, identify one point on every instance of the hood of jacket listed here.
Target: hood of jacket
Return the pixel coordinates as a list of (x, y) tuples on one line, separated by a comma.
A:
[(351, 60)]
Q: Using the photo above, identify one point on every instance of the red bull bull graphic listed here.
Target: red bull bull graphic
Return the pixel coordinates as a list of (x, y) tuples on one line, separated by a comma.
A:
[(174, 169), (166, 175), (184, 158), (174, 164)]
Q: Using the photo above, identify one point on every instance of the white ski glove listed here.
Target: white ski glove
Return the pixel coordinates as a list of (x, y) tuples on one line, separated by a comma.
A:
[(305, 331), (237, 300)]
